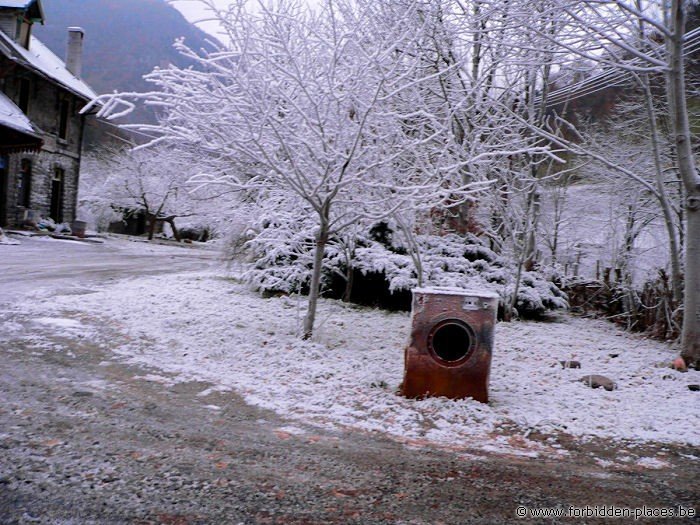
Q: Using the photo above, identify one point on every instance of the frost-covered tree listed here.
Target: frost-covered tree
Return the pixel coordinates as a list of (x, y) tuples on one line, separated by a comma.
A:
[(630, 137), (356, 111), (505, 75), (154, 182), (468, 99), (309, 102), (641, 38)]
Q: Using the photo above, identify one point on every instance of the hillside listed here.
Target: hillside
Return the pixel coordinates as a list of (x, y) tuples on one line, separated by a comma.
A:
[(123, 40)]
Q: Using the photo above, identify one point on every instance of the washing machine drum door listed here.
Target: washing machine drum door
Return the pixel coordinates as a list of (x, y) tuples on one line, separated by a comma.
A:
[(451, 341)]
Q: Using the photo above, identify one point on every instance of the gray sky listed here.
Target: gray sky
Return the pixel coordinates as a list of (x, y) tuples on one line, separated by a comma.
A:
[(194, 11)]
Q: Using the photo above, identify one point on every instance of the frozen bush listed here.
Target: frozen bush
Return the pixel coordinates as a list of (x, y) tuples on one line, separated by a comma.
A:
[(382, 268)]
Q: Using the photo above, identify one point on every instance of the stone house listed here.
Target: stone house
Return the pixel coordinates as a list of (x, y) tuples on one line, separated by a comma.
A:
[(41, 128)]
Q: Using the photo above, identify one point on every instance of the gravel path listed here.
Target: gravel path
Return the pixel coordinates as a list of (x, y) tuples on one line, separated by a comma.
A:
[(85, 438)]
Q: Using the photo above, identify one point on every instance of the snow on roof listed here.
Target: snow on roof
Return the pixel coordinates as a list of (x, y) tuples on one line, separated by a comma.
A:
[(45, 62), (33, 8), (20, 4), (467, 292), (12, 117)]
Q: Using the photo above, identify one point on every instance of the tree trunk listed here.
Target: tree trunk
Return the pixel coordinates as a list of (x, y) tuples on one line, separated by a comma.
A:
[(176, 233), (676, 95), (675, 255), (413, 248), (530, 244), (315, 287), (509, 307), (690, 339), (349, 281), (152, 221)]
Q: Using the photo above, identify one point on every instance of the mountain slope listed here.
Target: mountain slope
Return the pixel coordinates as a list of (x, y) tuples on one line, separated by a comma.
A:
[(124, 40)]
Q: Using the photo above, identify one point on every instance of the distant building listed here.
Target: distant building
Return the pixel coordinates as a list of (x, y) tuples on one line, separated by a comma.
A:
[(41, 128)]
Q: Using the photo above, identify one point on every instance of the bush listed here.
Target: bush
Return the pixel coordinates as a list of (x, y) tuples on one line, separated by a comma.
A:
[(383, 272)]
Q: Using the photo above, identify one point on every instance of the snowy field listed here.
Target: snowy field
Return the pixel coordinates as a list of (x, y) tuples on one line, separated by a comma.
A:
[(201, 326), (592, 231)]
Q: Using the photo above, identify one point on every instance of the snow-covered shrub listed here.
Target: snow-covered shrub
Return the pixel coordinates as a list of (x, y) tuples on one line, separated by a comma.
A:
[(282, 251), (383, 267), (97, 214), (462, 261)]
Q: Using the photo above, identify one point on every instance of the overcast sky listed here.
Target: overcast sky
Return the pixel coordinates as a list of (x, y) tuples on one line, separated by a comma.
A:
[(194, 11)]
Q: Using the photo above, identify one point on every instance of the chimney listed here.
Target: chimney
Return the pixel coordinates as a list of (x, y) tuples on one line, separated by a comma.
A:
[(74, 52)]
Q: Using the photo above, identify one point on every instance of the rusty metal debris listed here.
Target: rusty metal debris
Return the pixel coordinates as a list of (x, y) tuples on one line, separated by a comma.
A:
[(449, 353)]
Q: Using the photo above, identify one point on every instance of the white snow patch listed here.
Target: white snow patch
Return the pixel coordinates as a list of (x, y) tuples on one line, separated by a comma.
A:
[(213, 389), (58, 322), (16, 3), (10, 327), (448, 290), (48, 238), (504, 448), (97, 384), (600, 475), (292, 430), (652, 463), (202, 327), (5, 240), (13, 117)]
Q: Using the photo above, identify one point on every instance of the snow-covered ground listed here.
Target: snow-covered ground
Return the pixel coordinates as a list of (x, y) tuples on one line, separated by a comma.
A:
[(592, 232), (206, 327), (39, 265)]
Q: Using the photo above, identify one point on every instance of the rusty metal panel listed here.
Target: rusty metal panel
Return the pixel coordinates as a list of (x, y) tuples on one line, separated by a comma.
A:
[(449, 353)]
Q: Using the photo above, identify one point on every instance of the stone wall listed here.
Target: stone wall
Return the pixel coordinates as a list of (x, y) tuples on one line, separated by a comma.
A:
[(44, 111), (44, 166)]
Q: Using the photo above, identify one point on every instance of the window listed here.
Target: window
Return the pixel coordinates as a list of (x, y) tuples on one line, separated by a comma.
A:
[(63, 114), (57, 194), (24, 87), (24, 183)]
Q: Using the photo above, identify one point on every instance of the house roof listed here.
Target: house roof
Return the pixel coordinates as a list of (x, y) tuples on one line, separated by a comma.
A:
[(33, 7), (16, 131), (44, 62), (12, 117), (20, 4)]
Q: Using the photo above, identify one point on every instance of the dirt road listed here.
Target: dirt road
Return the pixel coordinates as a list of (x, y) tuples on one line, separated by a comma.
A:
[(85, 438)]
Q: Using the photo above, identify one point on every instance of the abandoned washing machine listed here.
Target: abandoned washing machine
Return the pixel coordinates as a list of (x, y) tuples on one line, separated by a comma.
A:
[(449, 353)]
